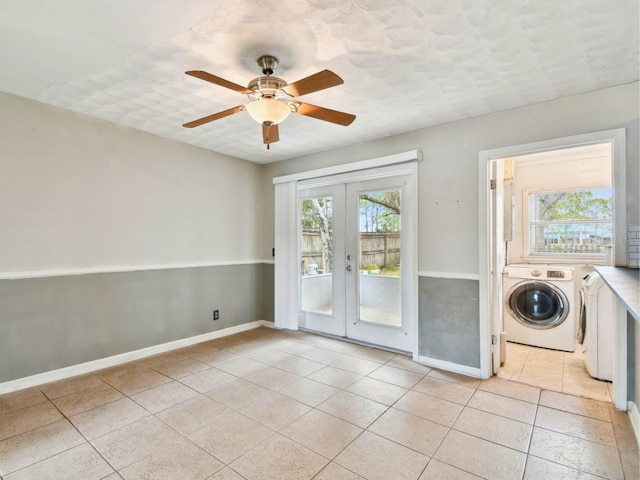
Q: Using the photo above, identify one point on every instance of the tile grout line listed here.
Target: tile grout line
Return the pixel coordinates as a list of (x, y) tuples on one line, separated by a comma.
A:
[(449, 429), (338, 390), (87, 441), (151, 414), (274, 432), (533, 427), (330, 460), (182, 435), (572, 436), (367, 428), (292, 421), (524, 364), (576, 414), (615, 439), (575, 436)]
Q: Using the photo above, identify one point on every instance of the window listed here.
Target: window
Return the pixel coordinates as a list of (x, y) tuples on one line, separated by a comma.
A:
[(570, 223)]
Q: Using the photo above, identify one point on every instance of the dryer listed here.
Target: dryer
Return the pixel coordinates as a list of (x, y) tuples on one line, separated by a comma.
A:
[(595, 331), (538, 305)]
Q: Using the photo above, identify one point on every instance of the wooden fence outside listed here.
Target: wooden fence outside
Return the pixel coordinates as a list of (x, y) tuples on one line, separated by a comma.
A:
[(381, 249), (312, 250)]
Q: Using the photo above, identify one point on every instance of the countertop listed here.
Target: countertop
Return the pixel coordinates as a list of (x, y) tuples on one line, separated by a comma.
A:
[(625, 284)]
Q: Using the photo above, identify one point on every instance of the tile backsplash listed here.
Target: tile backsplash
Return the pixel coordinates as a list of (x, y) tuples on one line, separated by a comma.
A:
[(633, 246)]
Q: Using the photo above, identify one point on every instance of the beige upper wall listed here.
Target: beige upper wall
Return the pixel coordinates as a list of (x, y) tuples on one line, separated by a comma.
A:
[(77, 192), (448, 174)]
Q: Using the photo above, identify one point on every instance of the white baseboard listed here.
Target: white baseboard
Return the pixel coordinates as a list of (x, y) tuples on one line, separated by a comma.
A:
[(634, 417), (87, 367), (450, 366)]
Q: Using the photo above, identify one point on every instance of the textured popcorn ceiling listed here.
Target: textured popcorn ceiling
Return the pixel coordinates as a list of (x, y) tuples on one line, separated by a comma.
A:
[(406, 64)]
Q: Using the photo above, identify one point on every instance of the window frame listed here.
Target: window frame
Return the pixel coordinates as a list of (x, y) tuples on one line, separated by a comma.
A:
[(528, 254)]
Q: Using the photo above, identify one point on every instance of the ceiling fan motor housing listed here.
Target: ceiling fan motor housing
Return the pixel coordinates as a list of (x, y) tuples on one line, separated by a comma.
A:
[(267, 87), (268, 64)]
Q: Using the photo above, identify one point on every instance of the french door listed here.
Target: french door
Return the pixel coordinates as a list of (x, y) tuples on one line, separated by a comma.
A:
[(356, 243)]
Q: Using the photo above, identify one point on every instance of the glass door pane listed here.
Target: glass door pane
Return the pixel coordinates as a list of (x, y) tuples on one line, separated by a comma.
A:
[(379, 249), (316, 252), (380, 262), (321, 265)]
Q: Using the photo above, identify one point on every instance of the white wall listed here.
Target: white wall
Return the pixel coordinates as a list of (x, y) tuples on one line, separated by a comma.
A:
[(448, 175), (81, 193)]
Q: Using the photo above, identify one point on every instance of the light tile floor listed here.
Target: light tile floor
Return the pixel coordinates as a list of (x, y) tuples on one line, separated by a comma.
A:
[(267, 404), (553, 370)]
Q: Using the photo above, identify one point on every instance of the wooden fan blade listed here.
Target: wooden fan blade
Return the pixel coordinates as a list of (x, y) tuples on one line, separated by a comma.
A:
[(270, 134), (207, 77), (326, 114), (313, 83), (215, 116)]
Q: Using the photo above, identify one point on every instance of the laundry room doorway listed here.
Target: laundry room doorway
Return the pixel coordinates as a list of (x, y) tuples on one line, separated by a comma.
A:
[(539, 239)]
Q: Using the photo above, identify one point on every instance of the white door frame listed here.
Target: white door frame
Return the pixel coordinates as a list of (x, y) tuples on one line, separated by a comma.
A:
[(619, 154), (287, 281), (497, 255)]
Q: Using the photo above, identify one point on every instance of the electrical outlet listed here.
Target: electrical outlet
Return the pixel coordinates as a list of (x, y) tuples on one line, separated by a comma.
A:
[(216, 314)]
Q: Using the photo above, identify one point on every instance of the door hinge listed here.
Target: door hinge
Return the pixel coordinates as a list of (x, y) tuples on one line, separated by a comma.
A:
[(492, 184), (494, 339)]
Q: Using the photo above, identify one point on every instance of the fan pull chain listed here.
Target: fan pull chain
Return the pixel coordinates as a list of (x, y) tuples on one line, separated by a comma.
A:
[(267, 137)]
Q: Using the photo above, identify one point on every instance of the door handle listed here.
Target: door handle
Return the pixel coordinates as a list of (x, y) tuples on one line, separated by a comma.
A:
[(349, 268)]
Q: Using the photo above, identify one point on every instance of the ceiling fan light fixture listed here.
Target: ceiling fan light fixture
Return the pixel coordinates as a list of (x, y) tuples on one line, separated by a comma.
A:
[(271, 99), (268, 110)]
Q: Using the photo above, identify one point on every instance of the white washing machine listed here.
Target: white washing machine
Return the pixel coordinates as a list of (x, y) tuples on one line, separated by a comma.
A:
[(538, 305), (595, 331)]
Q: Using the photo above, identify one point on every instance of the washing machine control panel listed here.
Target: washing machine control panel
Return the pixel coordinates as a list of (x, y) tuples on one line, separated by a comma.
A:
[(539, 272)]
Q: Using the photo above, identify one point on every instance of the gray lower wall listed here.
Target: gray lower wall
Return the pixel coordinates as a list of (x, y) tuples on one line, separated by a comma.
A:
[(268, 290), (449, 320), (54, 322)]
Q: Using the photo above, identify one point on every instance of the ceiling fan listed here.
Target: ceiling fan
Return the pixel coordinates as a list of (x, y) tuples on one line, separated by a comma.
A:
[(271, 99)]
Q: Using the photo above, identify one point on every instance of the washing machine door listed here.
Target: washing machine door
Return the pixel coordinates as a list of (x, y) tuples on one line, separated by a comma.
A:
[(537, 304)]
